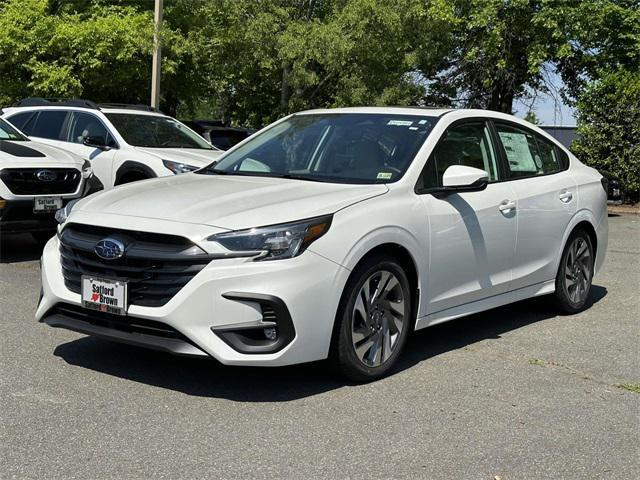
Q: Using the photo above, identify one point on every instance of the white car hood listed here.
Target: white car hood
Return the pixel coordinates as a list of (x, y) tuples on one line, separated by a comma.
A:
[(228, 202), (20, 157), (197, 157)]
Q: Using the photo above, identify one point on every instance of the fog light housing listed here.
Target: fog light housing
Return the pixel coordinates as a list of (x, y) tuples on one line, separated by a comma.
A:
[(270, 333)]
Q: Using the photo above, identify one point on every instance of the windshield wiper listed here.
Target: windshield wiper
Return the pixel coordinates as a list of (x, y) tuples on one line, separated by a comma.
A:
[(289, 176)]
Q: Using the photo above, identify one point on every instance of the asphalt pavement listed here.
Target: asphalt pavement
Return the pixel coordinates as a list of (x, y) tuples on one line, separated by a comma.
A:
[(516, 392)]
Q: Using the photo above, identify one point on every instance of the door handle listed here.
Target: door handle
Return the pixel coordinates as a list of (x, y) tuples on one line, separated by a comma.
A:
[(565, 196), (506, 206)]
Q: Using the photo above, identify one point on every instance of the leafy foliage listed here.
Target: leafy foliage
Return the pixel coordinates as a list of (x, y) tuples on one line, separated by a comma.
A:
[(252, 61), (609, 125)]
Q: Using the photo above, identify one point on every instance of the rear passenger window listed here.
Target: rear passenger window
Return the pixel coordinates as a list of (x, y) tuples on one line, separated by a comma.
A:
[(22, 120), (527, 154), (49, 125)]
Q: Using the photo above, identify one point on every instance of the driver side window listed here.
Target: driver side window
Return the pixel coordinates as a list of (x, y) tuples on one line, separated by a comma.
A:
[(85, 125), (467, 144)]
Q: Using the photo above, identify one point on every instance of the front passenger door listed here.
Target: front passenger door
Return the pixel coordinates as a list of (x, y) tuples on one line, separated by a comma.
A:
[(83, 125), (472, 234)]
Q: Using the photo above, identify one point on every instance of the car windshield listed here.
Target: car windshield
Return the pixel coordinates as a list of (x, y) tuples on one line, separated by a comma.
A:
[(8, 132), (155, 131), (341, 147)]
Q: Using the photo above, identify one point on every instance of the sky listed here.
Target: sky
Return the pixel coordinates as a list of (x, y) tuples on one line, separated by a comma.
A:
[(550, 109)]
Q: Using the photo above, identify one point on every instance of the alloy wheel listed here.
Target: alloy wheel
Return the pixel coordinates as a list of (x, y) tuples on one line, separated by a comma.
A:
[(378, 318), (577, 273)]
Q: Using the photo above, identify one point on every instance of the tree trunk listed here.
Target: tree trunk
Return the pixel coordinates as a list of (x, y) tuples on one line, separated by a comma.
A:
[(284, 91)]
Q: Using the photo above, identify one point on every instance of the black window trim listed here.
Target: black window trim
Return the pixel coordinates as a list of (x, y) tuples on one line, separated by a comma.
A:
[(492, 136), (503, 156)]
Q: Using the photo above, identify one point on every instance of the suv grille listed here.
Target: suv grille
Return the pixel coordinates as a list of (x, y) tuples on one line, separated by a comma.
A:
[(25, 181), (156, 266)]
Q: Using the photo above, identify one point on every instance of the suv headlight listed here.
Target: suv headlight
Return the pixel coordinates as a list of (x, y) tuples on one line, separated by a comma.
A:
[(87, 169), (177, 167), (286, 240), (63, 213)]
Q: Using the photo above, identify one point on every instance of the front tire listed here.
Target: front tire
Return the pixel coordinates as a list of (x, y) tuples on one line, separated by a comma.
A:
[(373, 321), (573, 280)]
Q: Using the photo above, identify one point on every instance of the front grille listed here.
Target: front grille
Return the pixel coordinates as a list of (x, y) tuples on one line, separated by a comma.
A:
[(156, 266), (25, 181), (117, 322)]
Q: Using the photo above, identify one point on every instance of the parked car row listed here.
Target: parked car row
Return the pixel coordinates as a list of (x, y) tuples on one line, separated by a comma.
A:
[(113, 144), (331, 234)]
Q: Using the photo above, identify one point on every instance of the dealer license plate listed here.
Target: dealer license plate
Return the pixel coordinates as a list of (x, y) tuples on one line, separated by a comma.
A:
[(46, 204), (104, 295)]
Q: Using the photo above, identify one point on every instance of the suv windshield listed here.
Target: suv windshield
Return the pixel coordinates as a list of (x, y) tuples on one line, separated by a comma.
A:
[(342, 147), (155, 131), (7, 132)]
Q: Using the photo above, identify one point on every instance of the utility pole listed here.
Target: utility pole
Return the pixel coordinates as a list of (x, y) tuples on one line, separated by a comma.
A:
[(157, 56)]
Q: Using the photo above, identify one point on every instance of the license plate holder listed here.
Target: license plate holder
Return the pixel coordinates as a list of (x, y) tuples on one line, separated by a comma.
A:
[(46, 204), (104, 294)]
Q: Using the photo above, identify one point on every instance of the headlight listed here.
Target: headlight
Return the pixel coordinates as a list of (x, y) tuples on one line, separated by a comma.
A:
[(63, 213), (87, 169), (177, 167), (286, 240)]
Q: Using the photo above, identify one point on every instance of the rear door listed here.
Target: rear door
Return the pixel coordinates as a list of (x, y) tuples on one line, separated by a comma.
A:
[(472, 234), (546, 198)]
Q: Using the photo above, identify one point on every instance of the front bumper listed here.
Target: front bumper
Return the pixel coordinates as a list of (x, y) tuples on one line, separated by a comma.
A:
[(17, 215), (225, 296)]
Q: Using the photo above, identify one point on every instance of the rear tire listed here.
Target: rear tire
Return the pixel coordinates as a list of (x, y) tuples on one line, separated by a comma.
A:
[(573, 280), (373, 321)]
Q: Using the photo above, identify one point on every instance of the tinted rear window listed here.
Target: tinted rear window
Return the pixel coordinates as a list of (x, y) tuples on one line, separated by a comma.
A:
[(49, 125)]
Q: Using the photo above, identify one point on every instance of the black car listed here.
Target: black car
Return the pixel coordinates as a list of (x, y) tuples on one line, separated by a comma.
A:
[(217, 133)]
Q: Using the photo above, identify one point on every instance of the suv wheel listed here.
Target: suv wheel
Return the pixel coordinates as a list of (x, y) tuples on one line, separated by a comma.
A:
[(374, 320)]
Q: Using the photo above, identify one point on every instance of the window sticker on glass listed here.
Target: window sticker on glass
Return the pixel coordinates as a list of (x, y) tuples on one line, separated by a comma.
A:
[(384, 175), (400, 123), (518, 153)]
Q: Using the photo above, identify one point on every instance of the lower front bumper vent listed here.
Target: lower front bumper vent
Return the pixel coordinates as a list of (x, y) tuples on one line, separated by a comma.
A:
[(125, 329)]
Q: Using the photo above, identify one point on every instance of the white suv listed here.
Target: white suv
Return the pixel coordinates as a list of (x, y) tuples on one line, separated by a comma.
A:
[(124, 143), (332, 233), (35, 181)]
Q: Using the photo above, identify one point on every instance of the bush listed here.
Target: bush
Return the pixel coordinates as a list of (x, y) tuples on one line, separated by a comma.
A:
[(609, 128)]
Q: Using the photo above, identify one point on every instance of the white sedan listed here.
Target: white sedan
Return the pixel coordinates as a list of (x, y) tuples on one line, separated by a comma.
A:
[(332, 234)]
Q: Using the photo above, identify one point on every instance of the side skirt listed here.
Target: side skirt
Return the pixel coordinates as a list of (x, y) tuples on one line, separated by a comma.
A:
[(538, 289)]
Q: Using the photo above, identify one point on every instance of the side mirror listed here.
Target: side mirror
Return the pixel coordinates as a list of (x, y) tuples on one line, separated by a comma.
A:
[(96, 142), (460, 178)]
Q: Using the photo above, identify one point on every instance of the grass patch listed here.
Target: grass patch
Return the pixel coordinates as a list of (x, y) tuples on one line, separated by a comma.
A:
[(632, 387), (536, 361)]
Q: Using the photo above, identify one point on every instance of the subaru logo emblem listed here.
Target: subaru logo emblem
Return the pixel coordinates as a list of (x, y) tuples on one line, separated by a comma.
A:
[(46, 175), (109, 249)]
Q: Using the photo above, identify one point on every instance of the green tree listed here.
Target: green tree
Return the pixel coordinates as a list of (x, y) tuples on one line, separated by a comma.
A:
[(609, 127), (101, 54)]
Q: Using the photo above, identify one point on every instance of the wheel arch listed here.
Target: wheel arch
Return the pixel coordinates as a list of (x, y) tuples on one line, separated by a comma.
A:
[(405, 257), (133, 167), (583, 219)]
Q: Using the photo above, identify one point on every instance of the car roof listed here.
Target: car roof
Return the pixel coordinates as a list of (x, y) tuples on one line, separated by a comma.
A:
[(419, 111), (131, 111)]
